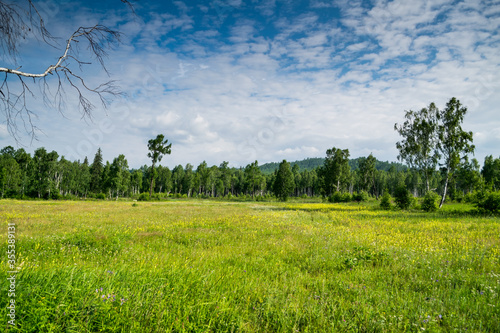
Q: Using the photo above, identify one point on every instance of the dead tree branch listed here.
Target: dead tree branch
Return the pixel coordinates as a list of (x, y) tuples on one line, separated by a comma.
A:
[(17, 24)]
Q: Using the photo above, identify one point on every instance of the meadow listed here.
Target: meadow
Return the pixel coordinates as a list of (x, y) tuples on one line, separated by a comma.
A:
[(207, 266)]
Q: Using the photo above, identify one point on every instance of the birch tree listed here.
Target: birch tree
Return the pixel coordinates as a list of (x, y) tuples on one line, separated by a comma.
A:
[(21, 21), (454, 143)]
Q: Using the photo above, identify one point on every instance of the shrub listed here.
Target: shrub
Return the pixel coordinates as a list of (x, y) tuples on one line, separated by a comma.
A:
[(335, 197), (458, 196), (470, 198), (55, 195), (340, 197), (346, 197), (430, 202), (385, 202), (403, 197), (143, 197), (70, 197), (475, 197), (100, 196), (491, 202), (360, 196)]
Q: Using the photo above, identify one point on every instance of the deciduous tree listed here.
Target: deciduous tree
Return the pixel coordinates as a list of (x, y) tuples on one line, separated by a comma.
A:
[(454, 143), (418, 147), (157, 148), (21, 21), (336, 170)]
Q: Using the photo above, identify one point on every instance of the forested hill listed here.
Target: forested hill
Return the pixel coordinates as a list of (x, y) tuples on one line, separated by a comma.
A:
[(313, 163)]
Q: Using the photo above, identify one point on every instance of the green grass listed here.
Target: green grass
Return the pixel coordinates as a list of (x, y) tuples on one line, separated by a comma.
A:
[(206, 266)]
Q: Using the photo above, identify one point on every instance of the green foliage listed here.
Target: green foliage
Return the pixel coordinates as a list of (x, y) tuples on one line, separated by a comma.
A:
[(491, 172), (430, 202), (157, 148), (100, 196), (360, 196), (96, 170), (490, 202), (310, 164), (418, 147), (143, 197), (340, 197), (431, 134), (454, 142), (284, 182), (367, 172), (336, 171), (385, 201), (403, 197), (253, 177)]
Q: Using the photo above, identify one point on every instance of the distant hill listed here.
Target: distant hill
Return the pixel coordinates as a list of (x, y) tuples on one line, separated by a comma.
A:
[(307, 164), (315, 162)]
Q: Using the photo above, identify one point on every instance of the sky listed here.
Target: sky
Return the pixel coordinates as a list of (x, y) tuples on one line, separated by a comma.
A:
[(267, 80)]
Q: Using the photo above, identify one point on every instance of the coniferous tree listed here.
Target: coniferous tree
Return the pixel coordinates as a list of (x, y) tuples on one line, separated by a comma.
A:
[(284, 183), (96, 173), (84, 179)]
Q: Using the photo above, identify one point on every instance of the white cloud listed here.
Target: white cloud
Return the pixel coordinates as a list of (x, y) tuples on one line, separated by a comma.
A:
[(292, 95)]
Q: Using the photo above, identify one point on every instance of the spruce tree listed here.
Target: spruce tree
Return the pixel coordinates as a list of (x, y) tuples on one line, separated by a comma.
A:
[(96, 173)]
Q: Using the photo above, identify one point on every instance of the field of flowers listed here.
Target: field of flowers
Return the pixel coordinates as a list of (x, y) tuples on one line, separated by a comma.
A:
[(205, 266)]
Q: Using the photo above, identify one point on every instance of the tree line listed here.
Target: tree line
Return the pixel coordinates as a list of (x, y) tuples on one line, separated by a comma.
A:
[(46, 175), (431, 138)]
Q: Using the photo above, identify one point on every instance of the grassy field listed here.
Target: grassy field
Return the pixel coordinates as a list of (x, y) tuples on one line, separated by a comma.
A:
[(205, 266)]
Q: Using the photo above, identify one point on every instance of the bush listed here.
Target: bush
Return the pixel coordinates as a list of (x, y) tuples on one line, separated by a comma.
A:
[(470, 198), (55, 195), (100, 196), (155, 196), (475, 197), (431, 202), (143, 197), (403, 197), (346, 197), (70, 197), (458, 196), (360, 196), (340, 197), (491, 202), (335, 197), (385, 202)]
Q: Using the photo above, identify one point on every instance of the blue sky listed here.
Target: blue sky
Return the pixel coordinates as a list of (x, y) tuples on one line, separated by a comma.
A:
[(240, 80)]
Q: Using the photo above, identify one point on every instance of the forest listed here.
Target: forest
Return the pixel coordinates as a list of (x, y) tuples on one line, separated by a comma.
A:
[(434, 146), (48, 176)]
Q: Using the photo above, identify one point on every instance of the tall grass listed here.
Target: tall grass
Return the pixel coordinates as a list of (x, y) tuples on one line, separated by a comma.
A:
[(204, 266)]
